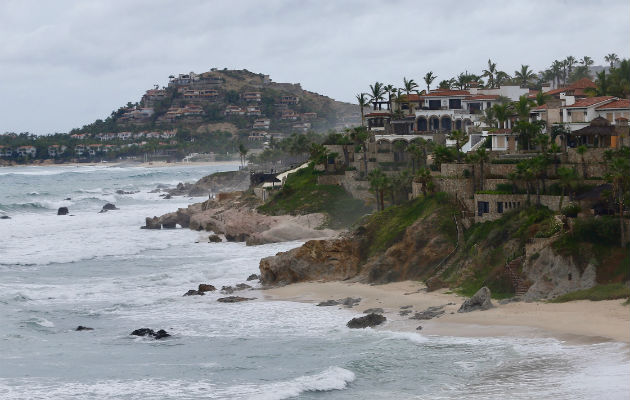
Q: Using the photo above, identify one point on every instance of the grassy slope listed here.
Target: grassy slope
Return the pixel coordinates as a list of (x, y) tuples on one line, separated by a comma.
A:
[(609, 291), (302, 195)]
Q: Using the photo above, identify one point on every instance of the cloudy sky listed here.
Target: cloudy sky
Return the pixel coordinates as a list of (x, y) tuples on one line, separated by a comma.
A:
[(66, 63)]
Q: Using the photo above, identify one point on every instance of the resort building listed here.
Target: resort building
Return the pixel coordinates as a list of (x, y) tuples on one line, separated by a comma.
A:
[(56, 150), (26, 151)]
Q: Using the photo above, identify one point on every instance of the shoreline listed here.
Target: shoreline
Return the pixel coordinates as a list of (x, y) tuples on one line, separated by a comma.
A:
[(579, 321), (121, 164)]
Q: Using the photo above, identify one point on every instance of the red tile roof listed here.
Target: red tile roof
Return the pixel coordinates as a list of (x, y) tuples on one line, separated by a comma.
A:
[(412, 97), (577, 86), (621, 103), (621, 119), (541, 108), (589, 101), (448, 92), (484, 97)]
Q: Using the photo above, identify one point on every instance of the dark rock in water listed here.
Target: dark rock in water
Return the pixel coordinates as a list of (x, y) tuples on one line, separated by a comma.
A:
[(62, 211), (479, 301), (67, 198), (227, 290), (83, 328), (204, 287), (143, 332), (429, 313), (109, 206), (374, 311), (152, 223), (169, 225), (5, 217), (241, 237), (253, 277), (350, 302), (367, 321), (233, 299), (120, 191), (419, 328), (242, 286), (215, 238), (168, 197), (328, 303), (161, 334), (193, 292), (155, 191), (404, 312)]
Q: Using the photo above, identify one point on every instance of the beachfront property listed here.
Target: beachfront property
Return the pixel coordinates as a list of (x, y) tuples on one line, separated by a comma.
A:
[(200, 94), (289, 115), (234, 110), (254, 110), (26, 151), (56, 150), (262, 123), (252, 96), (6, 151), (289, 100)]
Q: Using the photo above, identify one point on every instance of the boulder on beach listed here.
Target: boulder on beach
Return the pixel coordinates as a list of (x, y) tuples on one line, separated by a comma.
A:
[(242, 286), (233, 299), (369, 320), (479, 301), (377, 310), (214, 239), (349, 302), (193, 292), (109, 207), (62, 211), (227, 289), (429, 313), (253, 277)]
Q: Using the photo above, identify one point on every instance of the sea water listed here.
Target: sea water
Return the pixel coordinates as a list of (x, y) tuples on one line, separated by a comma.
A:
[(101, 271)]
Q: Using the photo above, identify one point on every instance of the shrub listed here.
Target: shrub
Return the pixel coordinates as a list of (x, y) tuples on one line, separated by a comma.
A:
[(466, 173), (571, 210)]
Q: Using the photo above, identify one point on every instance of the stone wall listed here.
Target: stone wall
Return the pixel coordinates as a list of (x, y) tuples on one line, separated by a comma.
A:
[(330, 179), (592, 155), (454, 170), (510, 202), (357, 189)]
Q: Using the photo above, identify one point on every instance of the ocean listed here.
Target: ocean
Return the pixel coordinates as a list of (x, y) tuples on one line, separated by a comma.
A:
[(102, 271)]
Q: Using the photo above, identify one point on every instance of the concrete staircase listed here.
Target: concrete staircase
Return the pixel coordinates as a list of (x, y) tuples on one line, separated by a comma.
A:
[(512, 268)]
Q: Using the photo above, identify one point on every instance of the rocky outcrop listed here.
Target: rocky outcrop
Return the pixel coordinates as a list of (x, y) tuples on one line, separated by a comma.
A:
[(161, 334), (317, 259), (230, 181), (253, 277), (553, 275), (62, 211), (152, 223), (367, 321), (83, 328), (234, 299), (109, 207), (479, 301), (429, 313), (348, 302)]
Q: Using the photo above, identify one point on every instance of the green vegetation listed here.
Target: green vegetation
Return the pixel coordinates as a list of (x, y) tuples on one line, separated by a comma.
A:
[(388, 226), (610, 291), (302, 195)]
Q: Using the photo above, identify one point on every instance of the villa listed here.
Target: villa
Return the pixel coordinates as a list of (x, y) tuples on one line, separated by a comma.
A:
[(56, 150)]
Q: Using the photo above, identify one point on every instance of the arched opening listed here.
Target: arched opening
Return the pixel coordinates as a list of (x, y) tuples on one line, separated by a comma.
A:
[(435, 123), (422, 124), (399, 147), (447, 124), (458, 124), (467, 124)]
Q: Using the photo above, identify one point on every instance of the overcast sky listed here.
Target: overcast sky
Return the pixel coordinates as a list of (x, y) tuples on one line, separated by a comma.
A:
[(67, 63)]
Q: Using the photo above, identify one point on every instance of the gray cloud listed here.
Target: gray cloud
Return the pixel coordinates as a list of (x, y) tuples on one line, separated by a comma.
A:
[(66, 63)]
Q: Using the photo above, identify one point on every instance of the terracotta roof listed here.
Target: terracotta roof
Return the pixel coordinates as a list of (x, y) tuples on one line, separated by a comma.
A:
[(484, 97), (621, 119), (540, 108), (589, 101), (411, 97), (448, 92), (621, 103), (577, 86)]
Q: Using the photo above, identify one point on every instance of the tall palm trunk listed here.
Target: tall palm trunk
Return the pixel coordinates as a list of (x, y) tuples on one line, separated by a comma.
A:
[(474, 179), (481, 173)]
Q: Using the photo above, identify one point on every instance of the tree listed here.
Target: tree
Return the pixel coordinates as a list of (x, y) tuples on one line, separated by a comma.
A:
[(522, 107), (446, 84), (581, 150), (587, 61), (409, 86), (502, 113), (400, 186), (390, 91), (541, 98), (345, 141), (482, 158), (460, 139), (524, 76), (242, 151), (378, 183), (376, 94), (489, 117), (501, 78), (442, 154), (556, 69), (568, 180), (428, 79), (472, 159), (527, 131), (612, 59), (526, 175), (363, 102), (490, 73), (570, 62), (618, 174), (424, 177), (360, 136)]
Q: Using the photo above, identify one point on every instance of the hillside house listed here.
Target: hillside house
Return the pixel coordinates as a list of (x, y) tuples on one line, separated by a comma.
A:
[(153, 96), (56, 150), (80, 150), (289, 100), (254, 110), (302, 126), (124, 135), (6, 151), (234, 110), (309, 116), (252, 96), (262, 123), (503, 140), (168, 135), (289, 115), (600, 133), (78, 136), (94, 148)]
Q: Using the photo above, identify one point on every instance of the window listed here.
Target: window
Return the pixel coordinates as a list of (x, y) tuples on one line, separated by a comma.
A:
[(500, 207), (482, 208)]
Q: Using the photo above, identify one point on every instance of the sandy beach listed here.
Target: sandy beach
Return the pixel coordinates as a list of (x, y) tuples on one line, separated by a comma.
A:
[(580, 321)]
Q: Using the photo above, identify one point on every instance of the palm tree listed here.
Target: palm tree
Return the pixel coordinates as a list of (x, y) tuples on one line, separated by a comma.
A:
[(489, 117), (424, 177), (376, 94), (446, 84), (570, 61), (522, 107), (409, 86), (568, 179), (524, 75), (556, 69), (502, 113), (428, 79), (242, 152), (612, 58), (460, 139), (360, 136), (525, 174), (581, 150), (618, 174), (501, 78), (363, 102), (490, 73), (587, 61), (482, 157), (345, 141), (472, 159), (390, 90), (378, 183)]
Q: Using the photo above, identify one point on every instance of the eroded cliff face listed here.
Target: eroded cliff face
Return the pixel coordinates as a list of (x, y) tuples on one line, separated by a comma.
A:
[(415, 256), (553, 275)]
